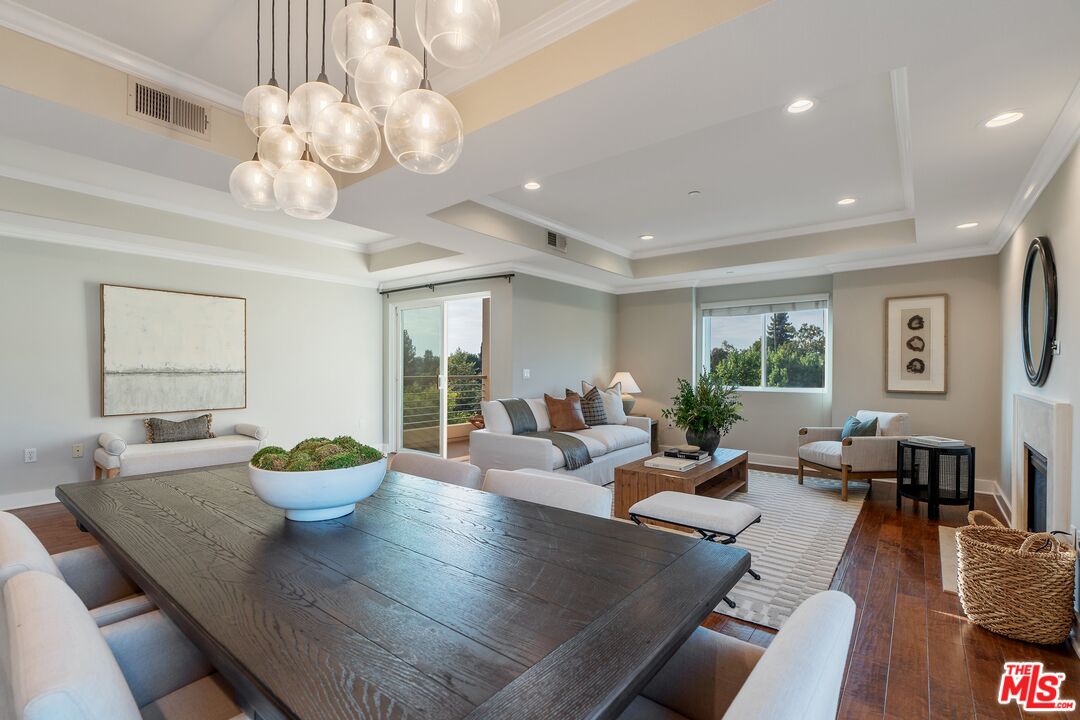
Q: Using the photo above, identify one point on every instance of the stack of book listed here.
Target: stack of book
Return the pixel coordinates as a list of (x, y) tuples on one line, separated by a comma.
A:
[(686, 452)]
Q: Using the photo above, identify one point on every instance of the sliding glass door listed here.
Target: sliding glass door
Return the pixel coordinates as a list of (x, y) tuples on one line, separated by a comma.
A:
[(440, 373)]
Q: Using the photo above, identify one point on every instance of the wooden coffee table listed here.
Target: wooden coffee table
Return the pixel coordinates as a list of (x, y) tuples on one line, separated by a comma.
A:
[(724, 474)]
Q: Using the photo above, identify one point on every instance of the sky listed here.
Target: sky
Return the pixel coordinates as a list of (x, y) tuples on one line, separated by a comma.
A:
[(464, 326), (742, 331)]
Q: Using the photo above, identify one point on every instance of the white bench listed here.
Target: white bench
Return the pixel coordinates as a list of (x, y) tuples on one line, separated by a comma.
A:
[(115, 458), (714, 519)]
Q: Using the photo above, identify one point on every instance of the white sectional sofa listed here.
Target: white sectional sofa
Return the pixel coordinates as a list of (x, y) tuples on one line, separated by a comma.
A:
[(116, 458), (496, 447)]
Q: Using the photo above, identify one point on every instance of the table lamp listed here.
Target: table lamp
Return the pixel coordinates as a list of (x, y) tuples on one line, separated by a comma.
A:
[(629, 389)]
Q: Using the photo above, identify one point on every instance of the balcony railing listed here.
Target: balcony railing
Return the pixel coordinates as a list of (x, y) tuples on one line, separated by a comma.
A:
[(420, 399)]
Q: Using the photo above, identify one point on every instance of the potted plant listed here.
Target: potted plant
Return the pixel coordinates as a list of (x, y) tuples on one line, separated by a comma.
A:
[(707, 412), (319, 479)]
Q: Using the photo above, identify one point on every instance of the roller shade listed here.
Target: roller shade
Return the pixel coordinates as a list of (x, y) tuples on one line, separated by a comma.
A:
[(765, 307)]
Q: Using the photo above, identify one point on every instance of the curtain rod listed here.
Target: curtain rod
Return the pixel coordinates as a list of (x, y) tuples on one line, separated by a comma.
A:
[(432, 286)]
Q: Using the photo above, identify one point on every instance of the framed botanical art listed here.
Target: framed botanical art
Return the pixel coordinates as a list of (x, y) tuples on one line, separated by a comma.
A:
[(164, 351), (916, 344)]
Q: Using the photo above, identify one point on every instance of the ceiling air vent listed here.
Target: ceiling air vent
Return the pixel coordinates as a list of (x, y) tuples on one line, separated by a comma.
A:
[(556, 241), (167, 109)]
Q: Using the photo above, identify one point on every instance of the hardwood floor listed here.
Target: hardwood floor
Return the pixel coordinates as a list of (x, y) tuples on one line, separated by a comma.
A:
[(914, 656)]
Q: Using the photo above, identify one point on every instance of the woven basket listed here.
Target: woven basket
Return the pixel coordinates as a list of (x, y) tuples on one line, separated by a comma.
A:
[(1015, 583)]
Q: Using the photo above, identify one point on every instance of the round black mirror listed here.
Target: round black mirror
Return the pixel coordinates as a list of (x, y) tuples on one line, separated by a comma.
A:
[(1038, 311)]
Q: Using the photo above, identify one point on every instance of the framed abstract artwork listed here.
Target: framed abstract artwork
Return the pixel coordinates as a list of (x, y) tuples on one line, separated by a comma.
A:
[(917, 344), (165, 351)]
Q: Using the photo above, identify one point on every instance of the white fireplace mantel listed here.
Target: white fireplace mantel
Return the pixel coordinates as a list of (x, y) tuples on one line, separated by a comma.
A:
[(1046, 426)]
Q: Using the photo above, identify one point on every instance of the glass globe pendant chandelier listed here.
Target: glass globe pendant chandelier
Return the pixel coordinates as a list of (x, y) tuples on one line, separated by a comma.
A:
[(423, 130), (458, 33), (383, 73), (321, 124)]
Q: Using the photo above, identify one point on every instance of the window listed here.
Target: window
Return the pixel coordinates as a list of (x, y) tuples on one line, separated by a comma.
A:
[(768, 345)]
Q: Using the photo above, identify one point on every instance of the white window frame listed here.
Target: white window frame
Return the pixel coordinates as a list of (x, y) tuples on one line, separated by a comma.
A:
[(706, 339)]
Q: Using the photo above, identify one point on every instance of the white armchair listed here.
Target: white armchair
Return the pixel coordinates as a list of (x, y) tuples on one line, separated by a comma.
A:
[(854, 458)]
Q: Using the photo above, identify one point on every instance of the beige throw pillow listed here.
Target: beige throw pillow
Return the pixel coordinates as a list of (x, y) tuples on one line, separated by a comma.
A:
[(613, 406)]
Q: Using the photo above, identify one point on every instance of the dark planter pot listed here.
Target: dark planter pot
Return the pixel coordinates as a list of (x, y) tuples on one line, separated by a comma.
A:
[(707, 441)]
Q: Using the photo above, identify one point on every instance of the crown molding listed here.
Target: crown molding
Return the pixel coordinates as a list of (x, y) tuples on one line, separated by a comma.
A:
[(863, 221), (60, 232), (550, 27), (961, 253), (902, 120), (39, 26), (522, 268), (495, 203), (1054, 151)]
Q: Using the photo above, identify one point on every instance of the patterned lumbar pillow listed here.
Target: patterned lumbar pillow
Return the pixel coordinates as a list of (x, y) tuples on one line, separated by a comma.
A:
[(859, 428), (159, 430), (592, 407), (613, 405)]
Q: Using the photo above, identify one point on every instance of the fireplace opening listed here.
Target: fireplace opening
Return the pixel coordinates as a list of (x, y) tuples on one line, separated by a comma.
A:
[(1036, 489)]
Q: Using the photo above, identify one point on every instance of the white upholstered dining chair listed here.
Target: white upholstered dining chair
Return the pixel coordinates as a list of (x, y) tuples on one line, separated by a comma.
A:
[(453, 472), (713, 676), (61, 666), (547, 488), (108, 593)]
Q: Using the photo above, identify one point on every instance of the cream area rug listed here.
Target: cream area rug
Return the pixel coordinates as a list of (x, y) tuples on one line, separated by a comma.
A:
[(949, 560), (796, 546)]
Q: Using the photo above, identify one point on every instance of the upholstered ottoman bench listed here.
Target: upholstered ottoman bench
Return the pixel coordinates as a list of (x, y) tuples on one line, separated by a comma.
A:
[(714, 519)]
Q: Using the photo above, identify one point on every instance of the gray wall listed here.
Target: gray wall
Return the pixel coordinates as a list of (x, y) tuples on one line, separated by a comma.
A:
[(1056, 215), (563, 334), (313, 357), (970, 409)]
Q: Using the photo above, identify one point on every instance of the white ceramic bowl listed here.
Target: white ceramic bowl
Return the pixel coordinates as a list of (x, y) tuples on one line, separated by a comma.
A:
[(318, 494)]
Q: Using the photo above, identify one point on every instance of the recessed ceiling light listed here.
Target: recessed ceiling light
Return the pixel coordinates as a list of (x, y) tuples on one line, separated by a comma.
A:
[(1005, 118), (647, 237), (967, 225), (846, 201), (800, 106), (532, 185)]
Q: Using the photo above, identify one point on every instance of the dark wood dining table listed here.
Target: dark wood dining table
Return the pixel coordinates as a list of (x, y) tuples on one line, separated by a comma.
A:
[(430, 600)]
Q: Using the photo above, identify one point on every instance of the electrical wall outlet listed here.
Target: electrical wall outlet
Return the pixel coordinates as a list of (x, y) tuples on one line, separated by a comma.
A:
[(77, 450), (29, 455)]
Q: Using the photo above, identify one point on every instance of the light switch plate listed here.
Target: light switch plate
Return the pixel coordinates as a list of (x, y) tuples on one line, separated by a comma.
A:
[(525, 374), (29, 455)]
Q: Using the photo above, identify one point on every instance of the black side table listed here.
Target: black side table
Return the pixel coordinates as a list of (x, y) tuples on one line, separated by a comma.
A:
[(935, 475)]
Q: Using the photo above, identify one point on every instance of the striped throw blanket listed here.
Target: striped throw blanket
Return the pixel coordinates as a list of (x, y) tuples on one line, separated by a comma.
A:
[(523, 422)]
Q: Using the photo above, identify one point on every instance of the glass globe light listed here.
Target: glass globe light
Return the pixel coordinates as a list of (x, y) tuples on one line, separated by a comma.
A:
[(279, 146), (305, 190), (308, 101), (264, 107), (424, 132), (458, 33), (346, 138), (252, 186), (381, 75), (357, 28)]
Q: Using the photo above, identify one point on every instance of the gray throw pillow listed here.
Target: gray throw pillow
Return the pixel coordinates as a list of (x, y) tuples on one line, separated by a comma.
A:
[(159, 430)]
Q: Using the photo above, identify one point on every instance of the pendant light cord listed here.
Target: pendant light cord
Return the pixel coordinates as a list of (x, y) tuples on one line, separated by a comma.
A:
[(323, 70), (273, 42), (258, 42), (288, 46), (307, 39)]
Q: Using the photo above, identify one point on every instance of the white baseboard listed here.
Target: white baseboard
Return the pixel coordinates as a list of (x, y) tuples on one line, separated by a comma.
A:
[(13, 501)]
